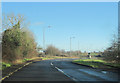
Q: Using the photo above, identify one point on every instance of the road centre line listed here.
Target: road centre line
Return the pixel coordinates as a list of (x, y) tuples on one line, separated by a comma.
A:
[(51, 63), (66, 74)]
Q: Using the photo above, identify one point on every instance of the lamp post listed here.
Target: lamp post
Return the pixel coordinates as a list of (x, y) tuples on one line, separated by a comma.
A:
[(78, 48), (44, 37), (70, 44)]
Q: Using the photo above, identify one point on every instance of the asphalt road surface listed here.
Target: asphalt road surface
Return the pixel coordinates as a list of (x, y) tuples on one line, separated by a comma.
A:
[(61, 70)]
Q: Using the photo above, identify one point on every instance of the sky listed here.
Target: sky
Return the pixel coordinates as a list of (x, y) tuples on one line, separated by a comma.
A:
[(91, 23), (59, 0)]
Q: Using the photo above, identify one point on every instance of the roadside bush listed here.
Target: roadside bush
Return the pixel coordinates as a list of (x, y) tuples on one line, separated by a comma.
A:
[(53, 51), (17, 44)]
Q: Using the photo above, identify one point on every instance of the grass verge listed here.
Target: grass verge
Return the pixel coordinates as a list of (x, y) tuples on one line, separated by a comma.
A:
[(96, 63), (5, 65), (55, 57)]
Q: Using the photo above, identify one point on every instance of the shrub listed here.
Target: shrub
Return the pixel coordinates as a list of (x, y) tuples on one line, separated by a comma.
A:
[(53, 51)]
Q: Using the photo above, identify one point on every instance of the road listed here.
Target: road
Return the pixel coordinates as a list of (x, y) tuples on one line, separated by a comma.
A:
[(61, 70)]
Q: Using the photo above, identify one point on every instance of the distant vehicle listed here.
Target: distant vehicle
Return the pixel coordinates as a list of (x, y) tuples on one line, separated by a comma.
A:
[(98, 56)]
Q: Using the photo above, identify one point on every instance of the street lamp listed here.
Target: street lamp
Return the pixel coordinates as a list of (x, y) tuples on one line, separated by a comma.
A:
[(44, 37), (78, 48), (70, 44)]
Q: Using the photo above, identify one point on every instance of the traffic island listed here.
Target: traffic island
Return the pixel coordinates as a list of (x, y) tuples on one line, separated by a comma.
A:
[(98, 64)]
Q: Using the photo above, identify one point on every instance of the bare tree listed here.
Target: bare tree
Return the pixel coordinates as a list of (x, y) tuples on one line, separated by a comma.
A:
[(112, 52), (10, 20)]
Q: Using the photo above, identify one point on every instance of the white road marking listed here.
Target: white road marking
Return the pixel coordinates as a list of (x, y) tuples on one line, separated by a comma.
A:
[(51, 63), (104, 72), (66, 74)]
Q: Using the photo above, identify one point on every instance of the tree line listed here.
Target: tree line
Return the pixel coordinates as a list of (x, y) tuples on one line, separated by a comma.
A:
[(19, 43)]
